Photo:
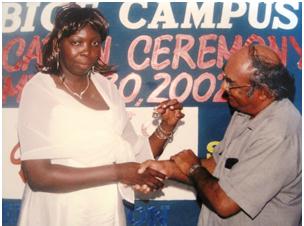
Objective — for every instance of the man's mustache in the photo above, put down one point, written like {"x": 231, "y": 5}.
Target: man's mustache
{"x": 225, "y": 95}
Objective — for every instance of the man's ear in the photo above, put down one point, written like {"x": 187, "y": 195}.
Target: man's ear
{"x": 264, "y": 93}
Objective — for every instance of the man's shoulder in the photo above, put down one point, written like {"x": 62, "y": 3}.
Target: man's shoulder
{"x": 285, "y": 109}
{"x": 284, "y": 119}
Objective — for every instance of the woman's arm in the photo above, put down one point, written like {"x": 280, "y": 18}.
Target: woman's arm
{"x": 172, "y": 171}
{"x": 42, "y": 175}
{"x": 170, "y": 113}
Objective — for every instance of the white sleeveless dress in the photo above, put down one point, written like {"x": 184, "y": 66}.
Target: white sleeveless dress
{"x": 53, "y": 125}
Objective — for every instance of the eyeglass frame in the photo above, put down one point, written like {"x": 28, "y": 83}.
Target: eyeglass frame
{"x": 230, "y": 87}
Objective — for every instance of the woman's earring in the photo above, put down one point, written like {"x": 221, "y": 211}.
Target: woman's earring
{"x": 57, "y": 61}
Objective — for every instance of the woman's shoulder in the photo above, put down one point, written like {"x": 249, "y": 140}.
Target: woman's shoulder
{"x": 101, "y": 78}
{"x": 36, "y": 88}
{"x": 38, "y": 82}
{"x": 108, "y": 86}
{"x": 104, "y": 82}
{"x": 39, "y": 78}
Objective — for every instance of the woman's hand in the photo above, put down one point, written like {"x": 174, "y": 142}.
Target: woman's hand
{"x": 152, "y": 164}
{"x": 170, "y": 112}
{"x": 128, "y": 174}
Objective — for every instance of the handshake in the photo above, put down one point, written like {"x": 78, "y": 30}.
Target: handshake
{"x": 153, "y": 173}
{"x": 149, "y": 176}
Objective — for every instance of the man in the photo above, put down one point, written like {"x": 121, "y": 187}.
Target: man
{"x": 254, "y": 177}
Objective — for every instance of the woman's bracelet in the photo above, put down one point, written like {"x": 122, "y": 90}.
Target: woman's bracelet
{"x": 164, "y": 131}
{"x": 163, "y": 134}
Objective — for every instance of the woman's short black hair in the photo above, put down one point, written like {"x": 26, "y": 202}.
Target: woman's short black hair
{"x": 70, "y": 19}
{"x": 275, "y": 77}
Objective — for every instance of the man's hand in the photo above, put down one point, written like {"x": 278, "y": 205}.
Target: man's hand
{"x": 166, "y": 167}
{"x": 185, "y": 160}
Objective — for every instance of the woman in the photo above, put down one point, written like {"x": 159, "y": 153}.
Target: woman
{"x": 78, "y": 148}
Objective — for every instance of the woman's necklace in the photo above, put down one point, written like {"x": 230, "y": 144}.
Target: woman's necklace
{"x": 72, "y": 92}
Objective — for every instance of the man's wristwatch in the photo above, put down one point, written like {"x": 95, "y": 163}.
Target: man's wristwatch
{"x": 193, "y": 168}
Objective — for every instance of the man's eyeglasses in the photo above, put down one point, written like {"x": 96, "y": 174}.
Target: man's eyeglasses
{"x": 232, "y": 85}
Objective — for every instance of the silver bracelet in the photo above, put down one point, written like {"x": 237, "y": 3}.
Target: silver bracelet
{"x": 164, "y": 131}
{"x": 163, "y": 135}
{"x": 193, "y": 168}
{"x": 160, "y": 135}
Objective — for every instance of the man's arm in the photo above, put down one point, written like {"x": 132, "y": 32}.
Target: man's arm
{"x": 212, "y": 194}
{"x": 209, "y": 164}
{"x": 205, "y": 183}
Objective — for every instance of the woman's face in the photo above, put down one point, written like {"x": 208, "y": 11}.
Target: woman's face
{"x": 80, "y": 51}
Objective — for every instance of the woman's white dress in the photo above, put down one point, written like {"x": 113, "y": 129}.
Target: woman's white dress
{"x": 53, "y": 125}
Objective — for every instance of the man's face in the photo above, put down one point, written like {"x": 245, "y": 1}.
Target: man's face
{"x": 236, "y": 84}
